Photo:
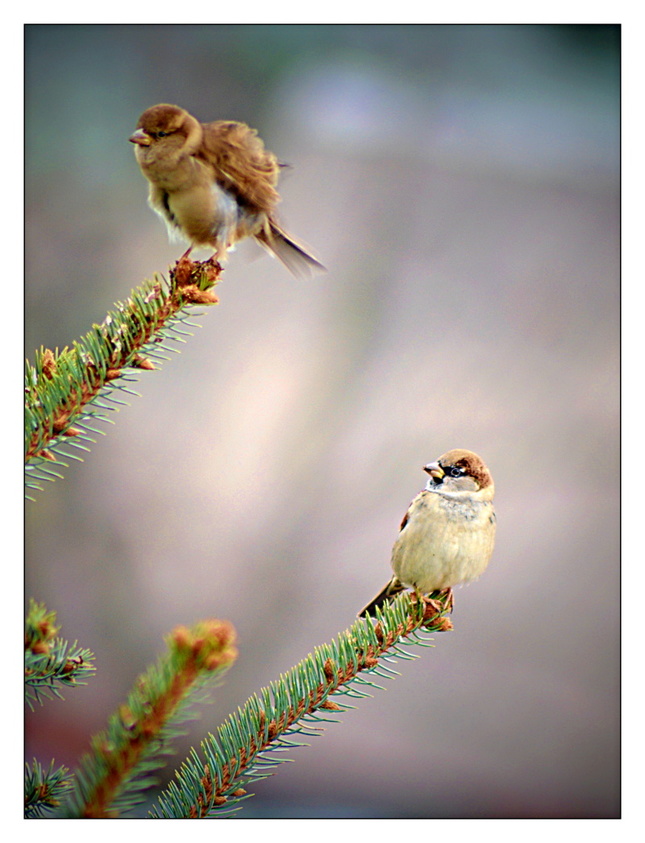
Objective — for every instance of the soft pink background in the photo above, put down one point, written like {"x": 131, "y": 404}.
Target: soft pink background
{"x": 461, "y": 185}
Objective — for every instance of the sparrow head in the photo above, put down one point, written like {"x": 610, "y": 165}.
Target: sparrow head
{"x": 167, "y": 127}
{"x": 460, "y": 471}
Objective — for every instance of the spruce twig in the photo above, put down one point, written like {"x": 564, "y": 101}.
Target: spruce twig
{"x": 214, "y": 781}
{"x": 50, "y": 661}
{"x": 44, "y": 790}
{"x": 68, "y": 392}
{"x": 114, "y": 775}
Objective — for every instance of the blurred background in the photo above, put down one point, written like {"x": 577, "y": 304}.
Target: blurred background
{"x": 461, "y": 184}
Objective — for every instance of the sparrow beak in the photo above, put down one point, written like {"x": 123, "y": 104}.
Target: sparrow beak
{"x": 435, "y": 471}
{"x": 140, "y": 138}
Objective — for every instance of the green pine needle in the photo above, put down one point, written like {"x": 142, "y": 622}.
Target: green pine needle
{"x": 44, "y": 790}
{"x": 51, "y": 662}
{"x": 114, "y": 776}
{"x": 251, "y": 743}
{"x": 67, "y": 392}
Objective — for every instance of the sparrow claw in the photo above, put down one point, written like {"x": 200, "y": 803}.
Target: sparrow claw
{"x": 435, "y": 611}
{"x": 450, "y": 602}
{"x": 434, "y": 607}
{"x": 212, "y": 268}
{"x": 183, "y": 270}
{"x": 213, "y": 262}
{"x": 431, "y": 608}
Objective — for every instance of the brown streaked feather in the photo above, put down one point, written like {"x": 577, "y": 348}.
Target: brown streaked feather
{"x": 292, "y": 254}
{"x": 215, "y": 183}
{"x": 242, "y": 163}
{"x": 405, "y": 520}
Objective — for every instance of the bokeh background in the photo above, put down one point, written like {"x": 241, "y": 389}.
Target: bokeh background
{"x": 461, "y": 184}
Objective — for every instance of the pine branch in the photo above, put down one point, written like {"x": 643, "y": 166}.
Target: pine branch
{"x": 215, "y": 781}
{"x": 68, "y": 392}
{"x": 113, "y": 777}
{"x": 51, "y": 661}
{"x": 45, "y": 790}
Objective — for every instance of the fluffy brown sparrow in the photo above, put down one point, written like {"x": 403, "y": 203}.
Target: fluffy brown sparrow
{"x": 213, "y": 184}
{"x": 448, "y": 532}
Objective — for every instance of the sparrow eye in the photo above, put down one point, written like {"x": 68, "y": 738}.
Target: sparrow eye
{"x": 161, "y": 134}
{"x": 456, "y": 471}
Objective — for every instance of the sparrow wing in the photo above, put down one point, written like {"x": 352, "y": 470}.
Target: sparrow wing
{"x": 241, "y": 163}
{"x": 395, "y": 585}
{"x": 415, "y": 504}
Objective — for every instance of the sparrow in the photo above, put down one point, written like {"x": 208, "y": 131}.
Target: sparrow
{"x": 213, "y": 184}
{"x": 447, "y": 535}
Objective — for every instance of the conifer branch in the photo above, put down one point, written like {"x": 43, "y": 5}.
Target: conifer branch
{"x": 51, "y": 661}
{"x": 66, "y": 392}
{"x": 113, "y": 776}
{"x": 215, "y": 781}
{"x": 44, "y": 790}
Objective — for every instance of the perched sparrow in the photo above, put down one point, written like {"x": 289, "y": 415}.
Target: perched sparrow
{"x": 213, "y": 183}
{"x": 447, "y": 534}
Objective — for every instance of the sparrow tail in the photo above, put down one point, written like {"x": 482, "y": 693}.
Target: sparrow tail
{"x": 394, "y": 587}
{"x": 294, "y": 256}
